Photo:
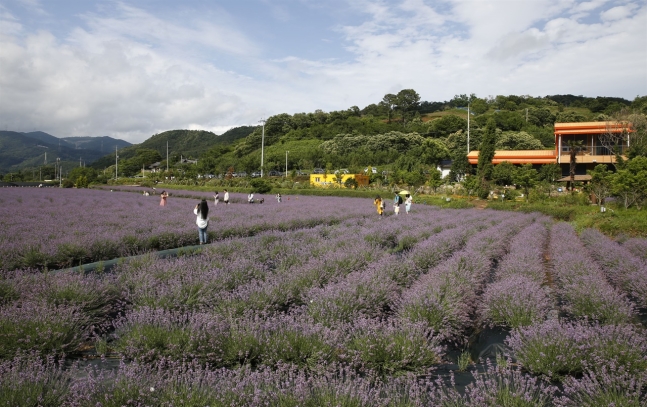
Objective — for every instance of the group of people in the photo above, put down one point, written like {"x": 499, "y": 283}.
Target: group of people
{"x": 225, "y": 198}
{"x": 380, "y": 203}
{"x": 201, "y": 210}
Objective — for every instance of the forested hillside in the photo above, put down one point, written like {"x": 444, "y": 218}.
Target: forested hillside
{"x": 402, "y": 133}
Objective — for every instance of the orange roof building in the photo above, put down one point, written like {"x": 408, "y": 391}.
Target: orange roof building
{"x": 591, "y": 153}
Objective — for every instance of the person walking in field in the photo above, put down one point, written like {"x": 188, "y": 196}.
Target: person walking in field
{"x": 163, "y": 197}
{"x": 216, "y": 198}
{"x": 226, "y": 200}
{"x": 397, "y": 201}
{"x": 407, "y": 203}
{"x": 250, "y": 197}
{"x": 278, "y": 197}
{"x": 379, "y": 205}
{"x": 201, "y": 210}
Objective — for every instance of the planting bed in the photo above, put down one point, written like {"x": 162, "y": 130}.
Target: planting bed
{"x": 314, "y": 302}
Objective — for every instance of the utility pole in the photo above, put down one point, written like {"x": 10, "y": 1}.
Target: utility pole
{"x": 262, "y": 144}
{"x": 468, "y": 127}
{"x": 116, "y": 163}
{"x": 167, "y": 157}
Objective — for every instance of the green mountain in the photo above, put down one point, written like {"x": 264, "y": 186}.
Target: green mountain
{"x": 189, "y": 144}
{"x": 31, "y": 150}
{"x": 103, "y": 144}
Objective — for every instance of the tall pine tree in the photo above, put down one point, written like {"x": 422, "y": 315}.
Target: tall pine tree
{"x": 486, "y": 154}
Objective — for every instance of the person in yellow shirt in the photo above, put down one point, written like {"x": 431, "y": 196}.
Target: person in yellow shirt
{"x": 378, "y": 204}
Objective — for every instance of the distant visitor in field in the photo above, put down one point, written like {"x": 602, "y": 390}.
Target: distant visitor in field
{"x": 378, "y": 204}
{"x": 201, "y": 210}
{"x": 216, "y": 198}
{"x": 163, "y": 197}
{"x": 407, "y": 203}
{"x": 250, "y": 197}
{"x": 278, "y": 197}
{"x": 397, "y": 201}
{"x": 226, "y": 198}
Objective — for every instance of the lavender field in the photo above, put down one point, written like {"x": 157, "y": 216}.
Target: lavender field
{"x": 315, "y": 302}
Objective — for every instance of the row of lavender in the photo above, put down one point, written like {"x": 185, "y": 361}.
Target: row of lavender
{"x": 594, "y": 337}
{"x": 62, "y": 227}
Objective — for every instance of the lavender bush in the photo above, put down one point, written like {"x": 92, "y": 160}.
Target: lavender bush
{"x": 97, "y": 296}
{"x": 556, "y": 348}
{"x": 609, "y": 386}
{"x": 170, "y": 383}
{"x": 515, "y": 302}
{"x": 625, "y": 270}
{"x": 392, "y": 348}
{"x": 498, "y": 386}
{"x": 28, "y": 380}
{"x": 28, "y": 326}
{"x": 583, "y": 286}
{"x": 637, "y": 246}
{"x": 149, "y": 334}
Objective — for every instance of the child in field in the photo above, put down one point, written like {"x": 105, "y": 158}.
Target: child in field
{"x": 163, "y": 197}
{"x": 216, "y": 198}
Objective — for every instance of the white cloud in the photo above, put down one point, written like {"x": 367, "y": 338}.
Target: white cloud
{"x": 618, "y": 13}
{"x": 130, "y": 73}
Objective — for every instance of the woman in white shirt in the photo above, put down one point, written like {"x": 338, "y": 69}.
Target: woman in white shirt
{"x": 201, "y": 210}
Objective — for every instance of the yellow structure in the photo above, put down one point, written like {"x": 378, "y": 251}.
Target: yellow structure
{"x": 331, "y": 180}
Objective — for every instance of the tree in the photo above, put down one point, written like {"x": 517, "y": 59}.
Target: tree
{"x": 471, "y": 184}
{"x": 82, "y": 176}
{"x": 486, "y": 154}
{"x": 479, "y": 106}
{"x": 506, "y": 120}
{"x": 435, "y": 179}
{"x": 550, "y": 172}
{"x": 503, "y": 174}
{"x": 600, "y": 184}
{"x": 460, "y": 168}
{"x": 626, "y": 128}
{"x": 351, "y": 183}
{"x": 431, "y": 152}
{"x": 407, "y": 101}
{"x": 525, "y": 177}
{"x": 447, "y": 125}
{"x": 630, "y": 182}
{"x": 518, "y": 141}
{"x": 260, "y": 186}
{"x": 389, "y": 102}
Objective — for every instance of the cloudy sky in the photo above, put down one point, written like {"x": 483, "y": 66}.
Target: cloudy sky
{"x": 130, "y": 69}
